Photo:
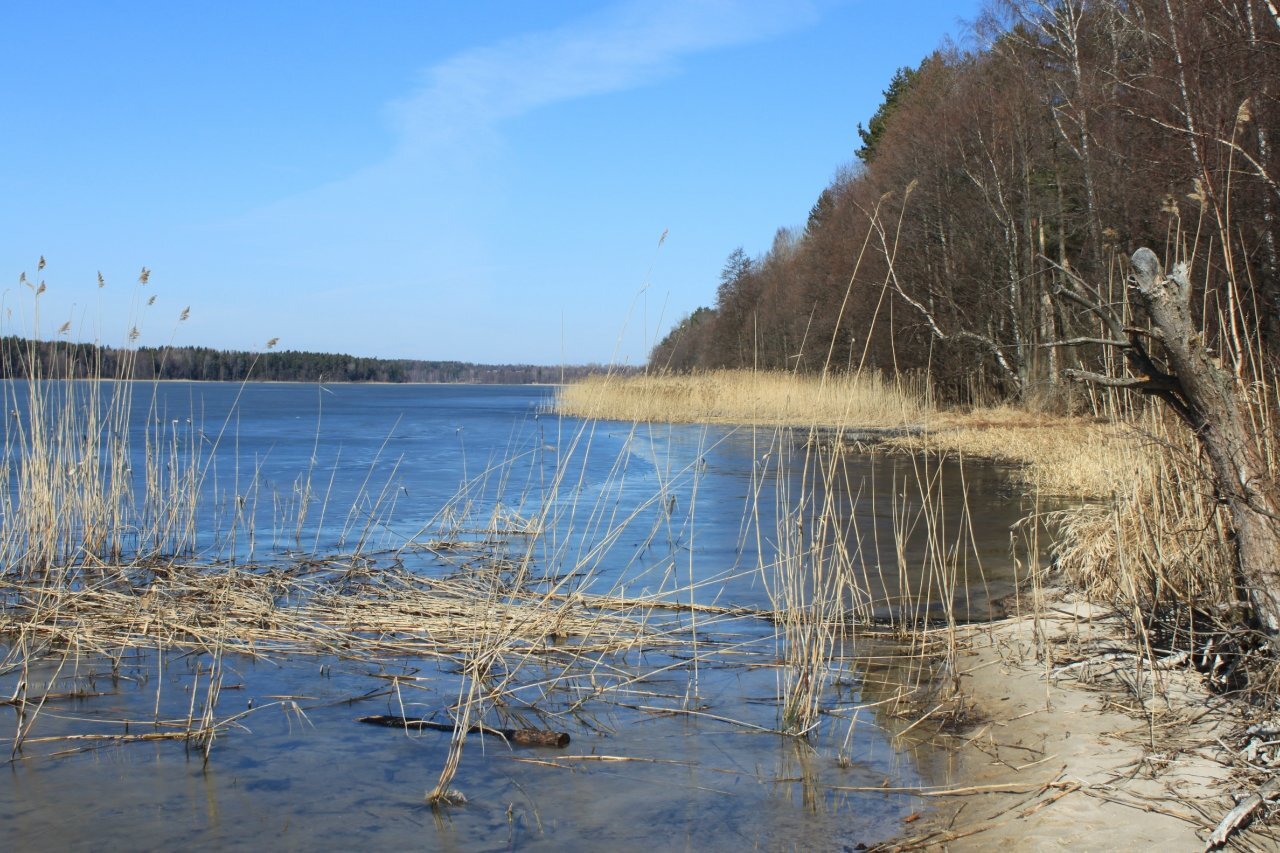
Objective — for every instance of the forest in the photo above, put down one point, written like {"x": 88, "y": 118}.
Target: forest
{"x": 59, "y": 359}
{"x": 996, "y": 185}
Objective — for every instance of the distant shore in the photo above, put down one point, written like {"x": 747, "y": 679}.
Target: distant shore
{"x": 60, "y": 358}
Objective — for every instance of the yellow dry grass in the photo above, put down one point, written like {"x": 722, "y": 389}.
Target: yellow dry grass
{"x": 748, "y": 397}
{"x": 360, "y": 614}
{"x": 1056, "y": 455}
{"x": 1052, "y": 455}
{"x": 1163, "y": 536}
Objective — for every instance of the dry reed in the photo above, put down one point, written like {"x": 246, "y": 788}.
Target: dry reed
{"x": 534, "y": 614}
{"x": 748, "y": 397}
{"x": 1162, "y": 538}
{"x": 1054, "y": 455}
{"x": 1049, "y": 455}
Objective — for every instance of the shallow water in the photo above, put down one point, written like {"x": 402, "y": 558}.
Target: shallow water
{"x": 689, "y": 513}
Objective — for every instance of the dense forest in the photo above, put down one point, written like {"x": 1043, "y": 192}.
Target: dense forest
{"x": 60, "y": 359}
{"x": 994, "y": 186}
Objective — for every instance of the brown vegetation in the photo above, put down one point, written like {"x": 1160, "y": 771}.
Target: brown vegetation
{"x": 1077, "y": 133}
{"x": 1053, "y": 454}
{"x": 746, "y": 397}
{"x": 987, "y": 239}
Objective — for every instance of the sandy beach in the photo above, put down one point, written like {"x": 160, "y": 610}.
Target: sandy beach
{"x": 1073, "y": 744}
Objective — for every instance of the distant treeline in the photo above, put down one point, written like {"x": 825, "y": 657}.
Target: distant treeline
{"x": 59, "y": 359}
{"x": 992, "y": 184}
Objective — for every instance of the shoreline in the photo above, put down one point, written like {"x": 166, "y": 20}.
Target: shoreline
{"x": 1075, "y": 748}
{"x": 251, "y": 381}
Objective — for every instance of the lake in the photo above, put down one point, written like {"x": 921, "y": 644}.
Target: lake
{"x": 674, "y": 739}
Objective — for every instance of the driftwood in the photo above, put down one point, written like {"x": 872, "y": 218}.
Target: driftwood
{"x": 519, "y": 737}
{"x": 1240, "y": 815}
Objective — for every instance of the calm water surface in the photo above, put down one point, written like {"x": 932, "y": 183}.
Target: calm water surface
{"x": 683, "y": 511}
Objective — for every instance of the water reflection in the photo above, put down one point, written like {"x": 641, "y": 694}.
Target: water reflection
{"x": 675, "y": 739}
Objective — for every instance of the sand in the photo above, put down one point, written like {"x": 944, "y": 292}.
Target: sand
{"x": 1106, "y": 756}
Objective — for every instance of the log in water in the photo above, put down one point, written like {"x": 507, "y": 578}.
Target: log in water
{"x": 520, "y": 737}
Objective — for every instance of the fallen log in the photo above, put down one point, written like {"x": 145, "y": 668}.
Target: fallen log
{"x": 519, "y": 737}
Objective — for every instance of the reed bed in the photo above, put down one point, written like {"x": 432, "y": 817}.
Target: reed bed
{"x": 1147, "y": 517}
{"x": 1161, "y": 549}
{"x": 515, "y": 595}
{"x": 748, "y": 397}
{"x": 264, "y": 611}
{"x": 1049, "y": 455}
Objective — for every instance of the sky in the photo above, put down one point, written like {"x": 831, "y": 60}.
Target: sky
{"x": 481, "y": 181}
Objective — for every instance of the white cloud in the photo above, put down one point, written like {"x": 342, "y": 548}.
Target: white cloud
{"x": 430, "y": 182}
{"x": 624, "y": 47}
{"x": 414, "y": 235}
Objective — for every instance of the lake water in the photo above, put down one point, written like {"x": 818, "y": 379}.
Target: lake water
{"x": 682, "y": 756}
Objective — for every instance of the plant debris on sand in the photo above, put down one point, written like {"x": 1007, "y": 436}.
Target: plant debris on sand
{"x": 1080, "y": 744}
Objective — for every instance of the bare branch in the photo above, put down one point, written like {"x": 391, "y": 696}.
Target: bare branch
{"x": 1072, "y": 276}
{"x": 1145, "y": 384}
{"x": 1102, "y": 312}
{"x": 1080, "y": 342}
{"x": 1138, "y": 331}
{"x": 1258, "y": 168}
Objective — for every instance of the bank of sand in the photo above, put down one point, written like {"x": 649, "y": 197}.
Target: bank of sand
{"x": 1058, "y": 755}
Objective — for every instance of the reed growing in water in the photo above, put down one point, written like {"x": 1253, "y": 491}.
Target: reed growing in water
{"x": 749, "y": 397}
{"x": 531, "y": 612}
{"x": 1083, "y": 456}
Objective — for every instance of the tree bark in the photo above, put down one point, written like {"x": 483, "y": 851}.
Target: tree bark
{"x": 1211, "y": 405}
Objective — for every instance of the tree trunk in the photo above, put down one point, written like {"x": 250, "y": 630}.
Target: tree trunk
{"x": 1212, "y": 407}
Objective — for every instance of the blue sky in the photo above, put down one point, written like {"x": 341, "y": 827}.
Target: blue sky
{"x": 475, "y": 181}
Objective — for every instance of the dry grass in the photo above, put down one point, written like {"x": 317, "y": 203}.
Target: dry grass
{"x": 1050, "y": 455}
{"x": 364, "y": 613}
{"x": 748, "y": 397}
{"x": 1076, "y": 456}
{"x": 1163, "y": 537}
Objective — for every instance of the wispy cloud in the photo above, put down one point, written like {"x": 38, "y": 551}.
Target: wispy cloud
{"x": 414, "y": 234}
{"x": 621, "y": 48}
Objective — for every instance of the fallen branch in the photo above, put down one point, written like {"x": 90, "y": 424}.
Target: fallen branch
{"x": 1165, "y": 663}
{"x": 1241, "y": 814}
{"x": 1009, "y": 788}
{"x": 520, "y": 737}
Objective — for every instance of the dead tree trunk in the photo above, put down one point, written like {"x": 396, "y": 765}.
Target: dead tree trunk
{"x": 1208, "y": 398}
{"x": 1224, "y": 430}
